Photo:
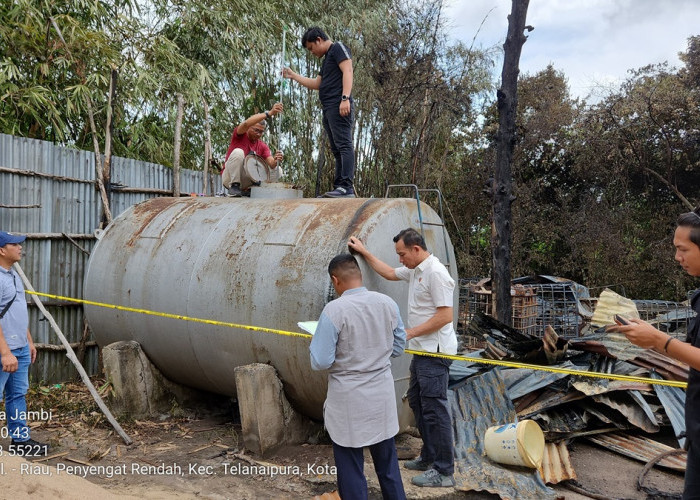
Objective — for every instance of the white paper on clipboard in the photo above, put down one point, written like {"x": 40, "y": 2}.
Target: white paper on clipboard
{"x": 308, "y": 326}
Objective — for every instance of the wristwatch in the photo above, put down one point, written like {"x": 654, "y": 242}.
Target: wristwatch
{"x": 345, "y": 97}
{"x": 267, "y": 115}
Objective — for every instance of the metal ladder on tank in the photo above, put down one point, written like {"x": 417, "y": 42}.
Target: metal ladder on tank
{"x": 417, "y": 192}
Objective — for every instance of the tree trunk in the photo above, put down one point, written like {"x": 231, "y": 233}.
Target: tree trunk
{"x": 93, "y": 129}
{"x": 176, "y": 152}
{"x": 107, "y": 158}
{"x": 505, "y": 144}
{"x": 207, "y": 148}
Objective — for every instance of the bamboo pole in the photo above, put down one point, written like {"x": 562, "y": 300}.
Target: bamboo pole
{"x": 31, "y": 173}
{"x": 178, "y": 139}
{"x": 93, "y": 128}
{"x": 107, "y": 158}
{"x": 61, "y": 348}
{"x": 59, "y": 236}
{"x": 207, "y": 148}
{"x": 282, "y": 84}
{"x": 71, "y": 355}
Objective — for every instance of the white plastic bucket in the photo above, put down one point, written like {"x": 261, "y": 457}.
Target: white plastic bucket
{"x": 520, "y": 443}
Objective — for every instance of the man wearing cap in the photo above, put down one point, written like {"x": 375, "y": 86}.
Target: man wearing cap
{"x": 17, "y": 349}
{"x": 246, "y": 140}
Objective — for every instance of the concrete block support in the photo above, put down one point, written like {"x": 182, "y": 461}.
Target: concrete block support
{"x": 267, "y": 418}
{"x": 140, "y": 389}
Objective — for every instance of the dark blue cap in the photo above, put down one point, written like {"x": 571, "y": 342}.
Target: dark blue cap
{"x": 6, "y": 238}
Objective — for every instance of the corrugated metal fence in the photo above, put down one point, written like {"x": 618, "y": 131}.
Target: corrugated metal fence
{"x": 49, "y": 193}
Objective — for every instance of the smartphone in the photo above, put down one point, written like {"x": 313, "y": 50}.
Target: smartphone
{"x": 620, "y": 320}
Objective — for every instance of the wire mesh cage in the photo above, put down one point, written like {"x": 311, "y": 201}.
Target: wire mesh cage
{"x": 669, "y": 317}
{"x": 564, "y": 305}
{"x": 535, "y": 306}
{"x": 474, "y": 297}
{"x": 558, "y": 306}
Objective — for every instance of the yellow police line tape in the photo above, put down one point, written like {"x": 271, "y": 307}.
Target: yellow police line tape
{"x": 507, "y": 364}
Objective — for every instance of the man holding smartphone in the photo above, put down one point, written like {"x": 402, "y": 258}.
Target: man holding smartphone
{"x": 686, "y": 240}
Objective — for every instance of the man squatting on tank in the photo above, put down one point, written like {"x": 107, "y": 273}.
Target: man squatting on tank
{"x": 246, "y": 139}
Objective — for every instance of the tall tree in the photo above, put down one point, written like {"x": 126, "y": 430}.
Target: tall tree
{"x": 505, "y": 144}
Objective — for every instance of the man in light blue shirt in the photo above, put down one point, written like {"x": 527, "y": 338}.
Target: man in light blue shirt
{"x": 356, "y": 336}
{"x": 17, "y": 349}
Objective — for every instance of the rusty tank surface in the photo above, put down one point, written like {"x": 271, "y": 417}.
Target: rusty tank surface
{"x": 250, "y": 262}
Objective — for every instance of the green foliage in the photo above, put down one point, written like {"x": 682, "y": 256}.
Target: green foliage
{"x": 597, "y": 186}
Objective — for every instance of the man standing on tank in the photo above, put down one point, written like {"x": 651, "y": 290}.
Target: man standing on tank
{"x": 334, "y": 85}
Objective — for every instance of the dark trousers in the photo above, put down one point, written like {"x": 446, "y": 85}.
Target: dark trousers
{"x": 352, "y": 483}
{"x": 427, "y": 397}
{"x": 691, "y": 489}
{"x": 339, "y": 130}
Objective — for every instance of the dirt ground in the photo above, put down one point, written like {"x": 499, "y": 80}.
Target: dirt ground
{"x": 198, "y": 454}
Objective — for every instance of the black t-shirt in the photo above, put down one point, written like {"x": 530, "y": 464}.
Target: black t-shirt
{"x": 692, "y": 393}
{"x": 331, "y": 89}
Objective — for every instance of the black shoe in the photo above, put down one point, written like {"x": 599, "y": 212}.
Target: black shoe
{"x": 340, "y": 192}
{"x": 235, "y": 190}
{"x": 29, "y": 448}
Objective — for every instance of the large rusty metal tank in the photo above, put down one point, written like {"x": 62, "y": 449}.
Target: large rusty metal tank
{"x": 247, "y": 261}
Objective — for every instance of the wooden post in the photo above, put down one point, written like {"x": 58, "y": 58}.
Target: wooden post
{"x": 107, "y": 160}
{"x": 95, "y": 143}
{"x": 178, "y": 136}
{"x": 71, "y": 355}
{"x": 501, "y": 236}
{"x": 207, "y": 148}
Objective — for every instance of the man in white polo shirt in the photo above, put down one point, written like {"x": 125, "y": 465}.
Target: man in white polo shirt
{"x": 430, "y": 312}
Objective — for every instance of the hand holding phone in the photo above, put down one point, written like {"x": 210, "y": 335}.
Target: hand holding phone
{"x": 620, "y": 320}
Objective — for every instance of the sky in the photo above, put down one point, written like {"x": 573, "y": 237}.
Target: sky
{"x": 593, "y": 42}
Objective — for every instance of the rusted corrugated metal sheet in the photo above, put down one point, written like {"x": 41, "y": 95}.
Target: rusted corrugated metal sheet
{"x": 556, "y": 464}
{"x": 673, "y": 401}
{"x": 65, "y": 200}
{"x": 549, "y": 398}
{"x": 632, "y": 406}
{"x": 478, "y": 404}
{"x": 614, "y": 345}
{"x": 520, "y": 381}
{"x": 666, "y": 366}
{"x": 561, "y": 421}
{"x": 640, "y": 448}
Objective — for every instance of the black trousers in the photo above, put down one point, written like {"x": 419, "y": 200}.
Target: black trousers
{"x": 339, "y": 130}
{"x": 691, "y": 489}
{"x": 427, "y": 397}
{"x": 352, "y": 483}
